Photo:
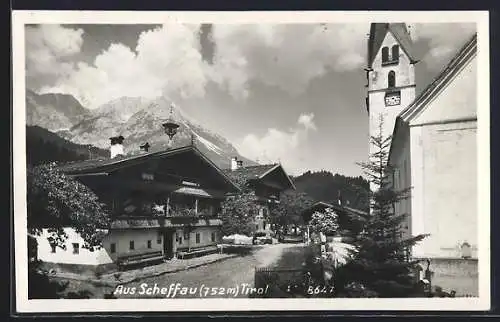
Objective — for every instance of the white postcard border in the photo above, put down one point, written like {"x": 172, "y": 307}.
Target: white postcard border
{"x": 23, "y": 305}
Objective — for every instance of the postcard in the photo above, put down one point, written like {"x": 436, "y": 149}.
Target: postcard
{"x": 251, "y": 161}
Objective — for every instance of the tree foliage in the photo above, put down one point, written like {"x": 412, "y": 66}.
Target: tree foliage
{"x": 238, "y": 214}
{"x": 55, "y": 201}
{"x": 289, "y": 210}
{"x": 382, "y": 264}
{"x": 328, "y": 187}
{"x": 326, "y": 222}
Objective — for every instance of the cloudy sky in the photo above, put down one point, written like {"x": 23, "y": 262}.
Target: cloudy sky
{"x": 288, "y": 93}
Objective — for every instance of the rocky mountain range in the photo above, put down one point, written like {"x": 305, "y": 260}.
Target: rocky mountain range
{"x": 54, "y": 112}
{"x": 137, "y": 119}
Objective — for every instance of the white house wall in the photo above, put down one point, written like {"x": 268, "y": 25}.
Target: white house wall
{"x": 121, "y": 238}
{"x": 84, "y": 257}
{"x": 205, "y": 237}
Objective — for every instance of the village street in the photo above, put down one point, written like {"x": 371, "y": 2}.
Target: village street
{"x": 226, "y": 274}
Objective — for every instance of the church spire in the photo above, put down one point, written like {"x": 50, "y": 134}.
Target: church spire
{"x": 400, "y": 32}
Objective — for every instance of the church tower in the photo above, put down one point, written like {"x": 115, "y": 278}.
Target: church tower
{"x": 390, "y": 73}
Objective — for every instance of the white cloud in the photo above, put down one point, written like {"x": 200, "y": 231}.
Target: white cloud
{"x": 167, "y": 62}
{"x": 48, "y": 48}
{"x": 276, "y": 145}
{"x": 307, "y": 121}
{"x": 286, "y": 56}
{"x": 445, "y": 39}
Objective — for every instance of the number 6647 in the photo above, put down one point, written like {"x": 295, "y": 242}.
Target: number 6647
{"x": 320, "y": 290}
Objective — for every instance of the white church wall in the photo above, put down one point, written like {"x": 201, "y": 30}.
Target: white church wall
{"x": 401, "y": 163}
{"x": 445, "y": 205}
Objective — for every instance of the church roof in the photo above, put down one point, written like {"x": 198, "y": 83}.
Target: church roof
{"x": 464, "y": 55}
{"x": 377, "y": 36}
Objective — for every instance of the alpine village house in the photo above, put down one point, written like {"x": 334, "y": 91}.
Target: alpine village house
{"x": 163, "y": 205}
{"x": 266, "y": 181}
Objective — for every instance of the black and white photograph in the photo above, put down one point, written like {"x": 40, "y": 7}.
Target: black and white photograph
{"x": 251, "y": 161}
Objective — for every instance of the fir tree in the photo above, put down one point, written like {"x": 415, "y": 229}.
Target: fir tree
{"x": 383, "y": 265}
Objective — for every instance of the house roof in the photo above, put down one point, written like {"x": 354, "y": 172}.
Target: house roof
{"x": 377, "y": 36}
{"x": 97, "y": 166}
{"x": 255, "y": 172}
{"x": 464, "y": 55}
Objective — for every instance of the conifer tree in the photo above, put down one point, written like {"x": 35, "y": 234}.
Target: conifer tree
{"x": 382, "y": 265}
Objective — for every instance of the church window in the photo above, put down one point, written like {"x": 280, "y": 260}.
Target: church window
{"x": 391, "y": 79}
{"x": 385, "y": 55}
{"x": 395, "y": 53}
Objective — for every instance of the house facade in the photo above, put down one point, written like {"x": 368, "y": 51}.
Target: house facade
{"x": 267, "y": 182}
{"x": 433, "y": 150}
{"x": 162, "y": 204}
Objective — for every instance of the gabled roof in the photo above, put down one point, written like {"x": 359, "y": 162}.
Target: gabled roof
{"x": 377, "y": 36}
{"x": 255, "y": 172}
{"x": 464, "y": 55}
{"x": 97, "y": 166}
{"x": 355, "y": 213}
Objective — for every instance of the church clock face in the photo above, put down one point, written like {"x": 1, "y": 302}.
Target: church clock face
{"x": 392, "y": 99}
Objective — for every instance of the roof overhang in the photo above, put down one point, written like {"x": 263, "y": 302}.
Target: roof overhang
{"x": 278, "y": 167}
{"x": 109, "y": 166}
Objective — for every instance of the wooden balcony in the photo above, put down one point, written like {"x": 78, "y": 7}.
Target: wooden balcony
{"x": 162, "y": 222}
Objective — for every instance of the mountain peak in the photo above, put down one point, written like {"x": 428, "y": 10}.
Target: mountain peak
{"x": 140, "y": 120}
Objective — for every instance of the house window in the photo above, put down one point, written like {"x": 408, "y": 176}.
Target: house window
{"x": 53, "y": 248}
{"x": 391, "y": 79}
{"x": 180, "y": 240}
{"x": 395, "y": 53}
{"x": 197, "y": 238}
{"x": 158, "y": 240}
{"x": 213, "y": 236}
{"x": 131, "y": 245}
{"x": 149, "y": 244}
{"x": 385, "y": 55}
{"x": 76, "y": 248}
{"x": 112, "y": 248}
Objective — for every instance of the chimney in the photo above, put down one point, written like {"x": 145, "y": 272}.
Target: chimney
{"x": 145, "y": 147}
{"x": 116, "y": 148}
{"x": 239, "y": 164}
{"x": 234, "y": 163}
